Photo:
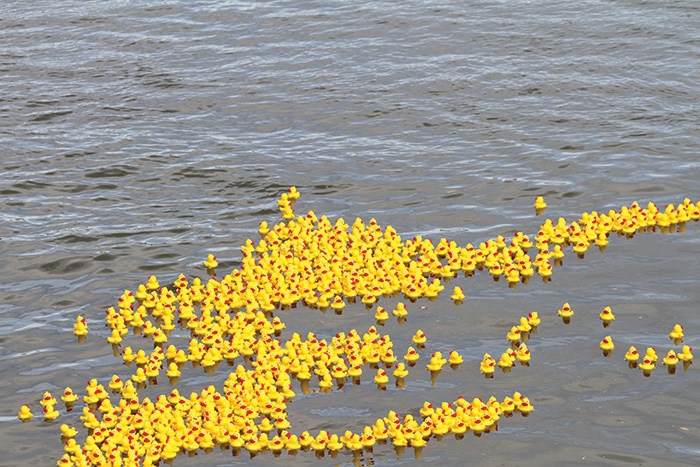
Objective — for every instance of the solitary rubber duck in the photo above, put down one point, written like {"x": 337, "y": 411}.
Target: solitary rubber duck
{"x": 566, "y": 313}
{"x": 455, "y": 359}
{"x": 676, "y": 334}
{"x": 607, "y": 346}
{"x": 25, "y": 413}
{"x": 647, "y": 366}
{"x": 211, "y": 262}
{"x": 606, "y": 316}
{"x": 540, "y": 205}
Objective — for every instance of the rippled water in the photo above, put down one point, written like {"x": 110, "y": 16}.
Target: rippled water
{"x": 139, "y": 136}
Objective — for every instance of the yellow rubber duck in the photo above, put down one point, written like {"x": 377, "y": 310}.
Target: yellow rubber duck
{"x": 513, "y": 335}
{"x": 25, "y": 413}
{"x": 671, "y": 360}
{"x": 455, "y": 359}
{"x": 524, "y": 326}
{"x": 676, "y": 334}
{"x": 540, "y": 205}
{"x": 686, "y": 354}
{"x": 487, "y": 366}
{"x": 419, "y": 339}
{"x": 457, "y": 295}
{"x": 566, "y": 312}
{"x": 69, "y": 398}
{"x": 80, "y": 328}
{"x": 152, "y": 284}
{"x": 651, "y": 354}
{"x": 507, "y": 360}
{"x": 607, "y": 346}
{"x": 47, "y": 400}
{"x": 606, "y": 316}
{"x": 523, "y": 355}
{"x": 533, "y": 319}
{"x": 50, "y": 413}
{"x": 632, "y": 356}
{"x": 211, "y": 262}
{"x": 647, "y": 366}
{"x": 68, "y": 432}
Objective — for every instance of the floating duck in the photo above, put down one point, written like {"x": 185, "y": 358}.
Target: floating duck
{"x": 607, "y": 346}
{"x": 566, "y": 313}
{"x": 522, "y": 354}
{"x": 632, "y": 356}
{"x": 68, "y": 432}
{"x": 606, "y": 316}
{"x": 80, "y": 328}
{"x": 25, "y": 413}
{"x": 676, "y": 334}
{"x": 651, "y": 354}
{"x": 50, "y": 413}
{"x": 686, "y": 356}
{"x": 647, "y": 366}
{"x": 400, "y": 373}
{"x": 457, "y": 296}
{"x": 487, "y": 366}
{"x": 455, "y": 359}
{"x": 152, "y": 284}
{"x": 533, "y": 319}
{"x": 540, "y": 205}
{"x": 211, "y": 262}
{"x": 47, "y": 400}
{"x": 419, "y": 339}
{"x": 411, "y": 356}
{"x": 513, "y": 336}
{"x": 69, "y": 398}
{"x": 507, "y": 360}
{"x": 671, "y": 360}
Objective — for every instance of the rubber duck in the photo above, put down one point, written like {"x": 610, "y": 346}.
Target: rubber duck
{"x": 487, "y": 366}
{"x": 671, "y": 360}
{"x": 211, "y": 262}
{"x": 419, "y": 339}
{"x": 50, "y": 413}
{"x": 152, "y": 284}
{"x": 647, "y": 366}
{"x": 686, "y": 354}
{"x": 522, "y": 354}
{"x": 606, "y": 316}
{"x": 400, "y": 312}
{"x": 566, "y": 313}
{"x": 25, "y": 413}
{"x": 507, "y": 360}
{"x": 455, "y": 359}
{"x": 524, "y": 327}
{"x": 540, "y": 205}
{"x": 69, "y": 398}
{"x": 601, "y": 242}
{"x": 457, "y": 295}
{"x": 676, "y": 334}
{"x": 400, "y": 373}
{"x": 68, "y": 432}
{"x": 381, "y": 379}
{"x": 525, "y": 407}
{"x": 411, "y": 356}
{"x": 607, "y": 346}
{"x": 651, "y": 354}
{"x": 381, "y": 315}
{"x": 116, "y": 384}
{"x": 47, "y": 400}
{"x": 80, "y": 328}
{"x": 632, "y": 356}
{"x": 533, "y": 319}
{"x": 293, "y": 194}
{"x": 513, "y": 336}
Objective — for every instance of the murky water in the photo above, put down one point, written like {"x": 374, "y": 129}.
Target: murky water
{"x": 139, "y": 136}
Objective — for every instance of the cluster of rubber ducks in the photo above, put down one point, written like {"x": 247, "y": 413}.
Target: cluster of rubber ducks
{"x": 673, "y": 358}
{"x": 309, "y": 261}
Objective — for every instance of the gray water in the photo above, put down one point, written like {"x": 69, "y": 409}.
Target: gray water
{"x": 139, "y": 136}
